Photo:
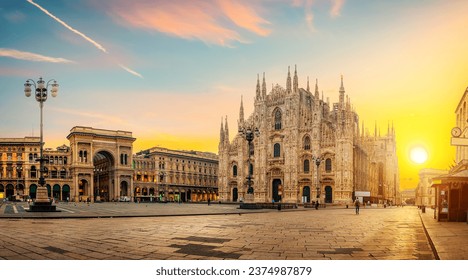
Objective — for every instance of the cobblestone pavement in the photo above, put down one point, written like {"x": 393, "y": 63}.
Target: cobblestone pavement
{"x": 325, "y": 234}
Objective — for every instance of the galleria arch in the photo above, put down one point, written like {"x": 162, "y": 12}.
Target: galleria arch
{"x": 101, "y": 163}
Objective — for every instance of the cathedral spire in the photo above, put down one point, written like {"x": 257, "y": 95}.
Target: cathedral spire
{"x": 308, "y": 87}
{"x": 342, "y": 92}
{"x": 296, "y": 79}
{"x": 317, "y": 94}
{"x": 257, "y": 96}
{"x": 241, "y": 112}
{"x": 375, "y": 130}
{"x": 221, "y": 132}
{"x": 226, "y": 131}
{"x": 288, "y": 81}
{"x": 264, "y": 87}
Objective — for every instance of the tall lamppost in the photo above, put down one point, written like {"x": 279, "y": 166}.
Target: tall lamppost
{"x": 161, "y": 182}
{"x": 318, "y": 160}
{"x": 42, "y": 202}
{"x": 19, "y": 170}
{"x": 249, "y": 133}
{"x": 97, "y": 196}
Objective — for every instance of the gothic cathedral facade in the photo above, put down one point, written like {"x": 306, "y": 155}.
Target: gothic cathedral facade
{"x": 306, "y": 150}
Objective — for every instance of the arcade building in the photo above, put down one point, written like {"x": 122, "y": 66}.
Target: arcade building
{"x": 99, "y": 165}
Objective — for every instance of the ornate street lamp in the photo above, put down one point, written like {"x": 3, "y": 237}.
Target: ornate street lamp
{"x": 249, "y": 133}
{"x": 318, "y": 160}
{"x": 42, "y": 202}
{"x": 162, "y": 174}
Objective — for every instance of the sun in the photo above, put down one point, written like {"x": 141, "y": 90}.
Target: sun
{"x": 418, "y": 155}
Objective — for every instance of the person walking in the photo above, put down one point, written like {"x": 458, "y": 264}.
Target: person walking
{"x": 357, "y": 203}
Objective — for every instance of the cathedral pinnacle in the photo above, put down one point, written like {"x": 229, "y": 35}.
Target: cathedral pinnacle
{"x": 317, "y": 95}
{"x": 264, "y": 87}
{"x": 288, "y": 81}
{"x": 221, "y": 132}
{"x": 342, "y": 92}
{"x": 226, "y": 131}
{"x": 241, "y": 112}
{"x": 296, "y": 79}
{"x": 308, "y": 87}
{"x": 257, "y": 96}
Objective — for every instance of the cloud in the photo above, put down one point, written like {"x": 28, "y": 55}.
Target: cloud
{"x": 93, "y": 119}
{"x": 31, "y": 56}
{"x": 97, "y": 45}
{"x": 213, "y": 22}
{"x": 131, "y": 71}
{"x": 308, "y": 5}
{"x": 244, "y": 16}
{"x": 336, "y": 8}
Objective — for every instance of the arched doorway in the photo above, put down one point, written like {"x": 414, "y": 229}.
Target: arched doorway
{"x": 275, "y": 195}
{"x": 32, "y": 191}
{"x": 2, "y": 191}
{"x": 306, "y": 194}
{"x": 235, "y": 194}
{"x": 123, "y": 188}
{"x": 66, "y": 192}
{"x": 103, "y": 162}
{"x": 49, "y": 190}
{"x": 83, "y": 189}
{"x": 10, "y": 191}
{"x": 328, "y": 194}
{"x": 56, "y": 192}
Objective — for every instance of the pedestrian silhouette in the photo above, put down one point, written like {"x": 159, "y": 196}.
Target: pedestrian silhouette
{"x": 357, "y": 203}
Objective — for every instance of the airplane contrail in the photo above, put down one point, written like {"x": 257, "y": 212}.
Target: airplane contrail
{"x": 96, "y": 44}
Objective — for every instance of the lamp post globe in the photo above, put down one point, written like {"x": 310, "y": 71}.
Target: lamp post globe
{"x": 42, "y": 202}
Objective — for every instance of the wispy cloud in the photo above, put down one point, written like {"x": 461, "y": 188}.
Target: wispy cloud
{"x": 96, "y": 44}
{"x": 92, "y": 118}
{"x": 308, "y": 5}
{"x": 213, "y": 21}
{"x": 336, "y": 8}
{"x": 244, "y": 15}
{"x": 32, "y": 56}
{"x": 130, "y": 71}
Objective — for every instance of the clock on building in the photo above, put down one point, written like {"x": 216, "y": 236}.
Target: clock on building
{"x": 456, "y": 132}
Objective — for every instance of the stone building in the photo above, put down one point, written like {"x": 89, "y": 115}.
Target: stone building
{"x": 173, "y": 175}
{"x": 19, "y": 169}
{"x": 425, "y": 194}
{"x": 452, "y": 189}
{"x": 307, "y": 149}
{"x": 99, "y": 165}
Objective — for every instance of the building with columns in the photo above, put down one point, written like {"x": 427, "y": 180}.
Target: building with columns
{"x": 99, "y": 165}
{"x": 174, "y": 175}
{"x": 307, "y": 149}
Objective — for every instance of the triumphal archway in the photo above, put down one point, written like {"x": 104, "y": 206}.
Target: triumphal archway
{"x": 101, "y": 164}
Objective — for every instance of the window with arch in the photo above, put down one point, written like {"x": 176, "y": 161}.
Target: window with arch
{"x": 306, "y": 166}
{"x": 278, "y": 119}
{"x": 307, "y": 143}
{"x": 234, "y": 170}
{"x": 328, "y": 165}
{"x": 277, "y": 150}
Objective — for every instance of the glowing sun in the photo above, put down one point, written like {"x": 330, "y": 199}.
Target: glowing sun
{"x": 418, "y": 155}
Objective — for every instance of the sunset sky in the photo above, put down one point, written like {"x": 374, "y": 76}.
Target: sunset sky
{"x": 170, "y": 70}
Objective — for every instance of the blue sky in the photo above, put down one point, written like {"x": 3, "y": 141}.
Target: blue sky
{"x": 170, "y": 70}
